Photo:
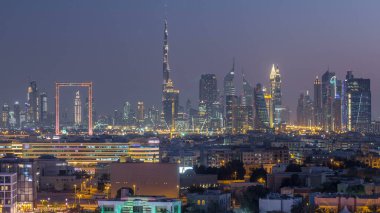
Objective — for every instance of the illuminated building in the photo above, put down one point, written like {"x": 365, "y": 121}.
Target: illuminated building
{"x": 231, "y": 101}
{"x": 43, "y": 109}
{"x": 357, "y": 103}
{"x": 208, "y": 95}
{"x": 170, "y": 105}
{"x": 26, "y": 179}
{"x": 84, "y": 154}
{"x": 328, "y": 96}
{"x": 269, "y": 105}
{"x": 170, "y": 95}
{"x": 145, "y": 179}
{"x": 140, "y": 204}
{"x": 261, "y": 112}
{"x": 126, "y": 112}
{"x": 140, "y": 112}
{"x": 77, "y": 109}
{"x": 33, "y": 104}
{"x": 210, "y": 201}
{"x": 5, "y": 117}
{"x": 248, "y": 102}
{"x": 8, "y": 193}
{"x": 17, "y": 114}
{"x": 276, "y": 94}
{"x": 317, "y": 102}
{"x": 305, "y": 116}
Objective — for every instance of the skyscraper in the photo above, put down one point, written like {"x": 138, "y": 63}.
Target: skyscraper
{"x": 261, "y": 113}
{"x": 208, "y": 89}
{"x": 328, "y": 97}
{"x": 33, "y": 104}
{"x": 77, "y": 109}
{"x": 126, "y": 112}
{"x": 317, "y": 102}
{"x": 305, "y": 110}
{"x": 275, "y": 91}
{"x": 231, "y": 101}
{"x": 140, "y": 112}
{"x": 357, "y": 102}
{"x": 170, "y": 95}
{"x": 248, "y": 102}
{"x": 5, "y": 116}
{"x": 17, "y": 114}
{"x": 43, "y": 109}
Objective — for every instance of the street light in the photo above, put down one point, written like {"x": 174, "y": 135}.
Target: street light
{"x": 75, "y": 193}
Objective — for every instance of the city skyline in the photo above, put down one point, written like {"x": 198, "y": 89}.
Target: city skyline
{"x": 182, "y": 54}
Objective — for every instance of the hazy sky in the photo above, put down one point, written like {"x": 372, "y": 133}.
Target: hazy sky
{"x": 118, "y": 45}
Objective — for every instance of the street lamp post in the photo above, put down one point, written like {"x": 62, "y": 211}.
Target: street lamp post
{"x": 75, "y": 193}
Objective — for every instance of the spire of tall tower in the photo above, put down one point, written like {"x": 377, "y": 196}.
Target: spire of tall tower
{"x": 166, "y": 68}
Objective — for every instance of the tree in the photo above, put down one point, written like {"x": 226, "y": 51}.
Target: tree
{"x": 250, "y": 198}
{"x": 258, "y": 174}
{"x": 293, "y": 168}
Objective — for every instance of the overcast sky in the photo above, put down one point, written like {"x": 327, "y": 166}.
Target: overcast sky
{"x": 118, "y": 45}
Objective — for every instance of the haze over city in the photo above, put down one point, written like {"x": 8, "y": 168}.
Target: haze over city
{"x": 118, "y": 46}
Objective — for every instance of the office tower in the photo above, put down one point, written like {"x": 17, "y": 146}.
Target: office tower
{"x": 5, "y": 117}
{"x": 248, "y": 102}
{"x": 154, "y": 116}
{"x": 261, "y": 113}
{"x": 170, "y": 95}
{"x": 117, "y": 117}
{"x": 328, "y": 97}
{"x": 33, "y": 104}
{"x": 275, "y": 92}
{"x": 231, "y": 101}
{"x": 77, "y": 109}
{"x": 140, "y": 112}
{"x": 43, "y": 109}
{"x": 208, "y": 90}
{"x": 270, "y": 107}
{"x": 216, "y": 122}
{"x": 317, "y": 102}
{"x": 17, "y": 112}
{"x": 358, "y": 102}
{"x": 126, "y": 112}
{"x": 337, "y": 106}
{"x": 305, "y": 116}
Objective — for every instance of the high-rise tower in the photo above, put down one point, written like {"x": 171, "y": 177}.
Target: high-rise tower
{"x": 230, "y": 101}
{"x": 170, "y": 95}
{"x": 276, "y": 94}
{"x": 357, "y": 103}
{"x": 43, "y": 107}
{"x": 77, "y": 109}
{"x": 32, "y": 105}
{"x": 166, "y": 68}
{"x": 317, "y": 102}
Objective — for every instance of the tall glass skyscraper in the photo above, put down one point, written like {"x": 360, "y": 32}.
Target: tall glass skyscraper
{"x": 276, "y": 94}
{"x": 357, "y": 102}
{"x": 261, "y": 113}
{"x": 231, "y": 101}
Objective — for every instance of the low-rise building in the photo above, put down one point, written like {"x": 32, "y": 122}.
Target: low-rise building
{"x": 209, "y": 201}
{"x": 140, "y": 204}
{"x": 278, "y": 203}
{"x": 145, "y": 179}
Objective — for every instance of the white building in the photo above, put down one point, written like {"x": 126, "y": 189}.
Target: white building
{"x": 8, "y": 192}
{"x": 278, "y": 203}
